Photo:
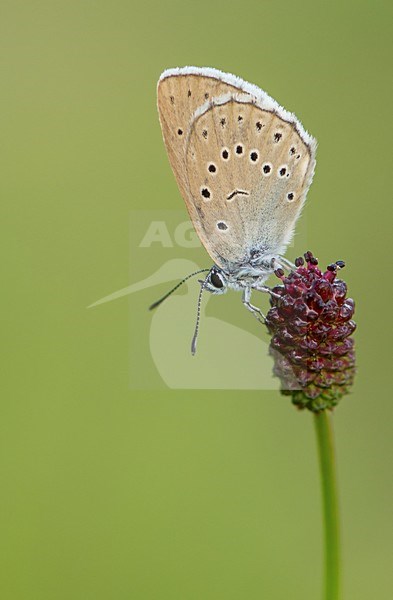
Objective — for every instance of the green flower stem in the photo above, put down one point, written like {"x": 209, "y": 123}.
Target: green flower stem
{"x": 324, "y": 431}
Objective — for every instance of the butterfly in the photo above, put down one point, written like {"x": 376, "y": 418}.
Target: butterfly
{"x": 243, "y": 165}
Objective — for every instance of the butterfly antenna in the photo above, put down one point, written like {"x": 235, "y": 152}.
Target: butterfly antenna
{"x": 195, "y": 336}
{"x": 155, "y": 304}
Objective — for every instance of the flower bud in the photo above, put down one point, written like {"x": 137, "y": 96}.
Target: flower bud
{"x": 310, "y": 322}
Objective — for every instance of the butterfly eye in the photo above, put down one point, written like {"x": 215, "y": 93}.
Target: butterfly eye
{"x": 216, "y": 280}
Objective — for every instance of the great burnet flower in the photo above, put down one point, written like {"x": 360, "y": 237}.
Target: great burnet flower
{"x": 311, "y": 323}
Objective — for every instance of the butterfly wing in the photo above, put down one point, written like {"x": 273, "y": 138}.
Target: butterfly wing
{"x": 237, "y": 209}
{"x": 248, "y": 172}
{"x": 180, "y": 92}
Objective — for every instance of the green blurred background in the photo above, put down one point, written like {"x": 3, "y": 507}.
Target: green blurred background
{"x": 111, "y": 492}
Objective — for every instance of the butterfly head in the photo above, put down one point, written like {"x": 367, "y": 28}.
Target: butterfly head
{"x": 216, "y": 281}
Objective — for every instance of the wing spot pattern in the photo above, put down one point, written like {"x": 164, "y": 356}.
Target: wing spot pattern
{"x": 267, "y": 169}
{"x": 235, "y": 193}
{"x": 222, "y": 226}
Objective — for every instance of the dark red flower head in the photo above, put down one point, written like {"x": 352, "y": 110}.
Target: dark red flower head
{"x": 311, "y": 323}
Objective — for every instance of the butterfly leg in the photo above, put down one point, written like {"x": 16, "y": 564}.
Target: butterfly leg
{"x": 253, "y": 309}
{"x": 267, "y": 290}
{"x": 284, "y": 263}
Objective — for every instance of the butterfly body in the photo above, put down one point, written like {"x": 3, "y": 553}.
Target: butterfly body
{"x": 243, "y": 165}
